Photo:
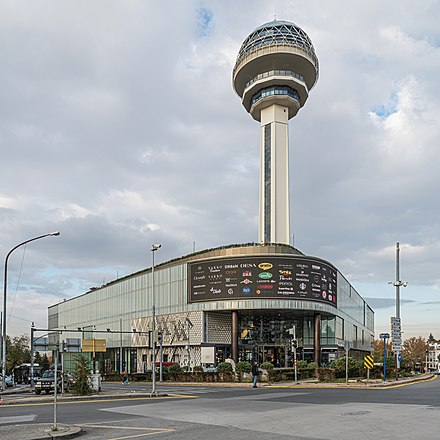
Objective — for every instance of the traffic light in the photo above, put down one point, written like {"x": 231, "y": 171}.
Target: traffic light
{"x": 294, "y": 344}
{"x": 159, "y": 337}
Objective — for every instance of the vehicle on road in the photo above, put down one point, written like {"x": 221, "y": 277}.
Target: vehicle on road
{"x": 46, "y": 382}
{"x": 9, "y": 382}
{"x": 23, "y": 373}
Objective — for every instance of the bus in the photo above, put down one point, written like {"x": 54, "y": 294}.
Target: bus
{"x": 22, "y": 373}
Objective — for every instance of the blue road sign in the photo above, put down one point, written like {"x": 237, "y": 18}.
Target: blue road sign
{"x": 384, "y": 336}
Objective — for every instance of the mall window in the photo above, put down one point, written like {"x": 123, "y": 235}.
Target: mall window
{"x": 328, "y": 330}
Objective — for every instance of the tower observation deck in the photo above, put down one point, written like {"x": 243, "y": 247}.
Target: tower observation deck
{"x": 275, "y": 69}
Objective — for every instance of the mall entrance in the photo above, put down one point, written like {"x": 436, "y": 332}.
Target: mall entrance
{"x": 278, "y": 355}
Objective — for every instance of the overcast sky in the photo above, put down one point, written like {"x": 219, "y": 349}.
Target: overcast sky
{"x": 120, "y": 128}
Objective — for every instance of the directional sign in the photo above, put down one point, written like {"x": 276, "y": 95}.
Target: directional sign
{"x": 384, "y": 335}
{"x": 396, "y": 347}
{"x": 93, "y": 345}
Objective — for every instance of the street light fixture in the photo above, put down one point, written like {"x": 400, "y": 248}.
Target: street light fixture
{"x": 51, "y": 234}
{"x": 398, "y": 284}
{"x": 154, "y": 248}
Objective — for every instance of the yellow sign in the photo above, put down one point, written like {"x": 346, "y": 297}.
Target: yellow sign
{"x": 368, "y": 362}
{"x": 93, "y": 345}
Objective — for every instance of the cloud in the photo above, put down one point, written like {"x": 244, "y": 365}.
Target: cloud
{"x": 385, "y": 303}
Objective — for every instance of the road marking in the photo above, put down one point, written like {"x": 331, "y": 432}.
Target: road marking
{"x": 151, "y": 431}
{"x": 17, "y": 419}
{"x": 73, "y": 402}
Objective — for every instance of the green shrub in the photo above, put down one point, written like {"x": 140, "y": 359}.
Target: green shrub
{"x": 198, "y": 369}
{"x": 224, "y": 367}
{"x": 268, "y": 366}
{"x": 301, "y": 364}
{"x": 174, "y": 369}
{"x": 354, "y": 367}
{"x": 312, "y": 366}
{"x": 243, "y": 367}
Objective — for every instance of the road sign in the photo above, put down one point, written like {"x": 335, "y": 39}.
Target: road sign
{"x": 399, "y": 357}
{"x": 368, "y": 361}
{"x": 395, "y": 320}
{"x": 93, "y": 345}
{"x": 396, "y": 347}
{"x": 384, "y": 335}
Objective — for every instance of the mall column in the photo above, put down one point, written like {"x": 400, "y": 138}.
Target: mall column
{"x": 234, "y": 336}
{"x": 317, "y": 339}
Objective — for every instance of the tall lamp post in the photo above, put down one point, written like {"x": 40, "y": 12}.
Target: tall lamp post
{"x": 154, "y": 248}
{"x": 396, "y": 322}
{"x": 51, "y": 234}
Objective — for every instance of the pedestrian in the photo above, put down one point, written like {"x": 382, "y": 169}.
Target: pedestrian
{"x": 124, "y": 377}
{"x": 255, "y": 373}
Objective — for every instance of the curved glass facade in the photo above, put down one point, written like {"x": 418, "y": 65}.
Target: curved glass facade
{"x": 262, "y": 324}
{"x": 275, "y": 90}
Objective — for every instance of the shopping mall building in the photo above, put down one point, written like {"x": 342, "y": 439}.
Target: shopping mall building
{"x": 242, "y": 302}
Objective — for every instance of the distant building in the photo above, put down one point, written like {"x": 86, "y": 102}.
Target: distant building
{"x": 433, "y": 357}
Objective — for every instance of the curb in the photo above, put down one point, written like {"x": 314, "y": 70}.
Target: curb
{"x": 42, "y": 431}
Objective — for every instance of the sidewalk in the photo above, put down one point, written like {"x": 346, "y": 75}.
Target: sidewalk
{"x": 38, "y": 431}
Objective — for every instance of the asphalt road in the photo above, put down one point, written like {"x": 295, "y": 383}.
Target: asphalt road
{"x": 406, "y": 412}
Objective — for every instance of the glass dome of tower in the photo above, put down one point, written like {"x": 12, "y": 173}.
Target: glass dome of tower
{"x": 278, "y": 33}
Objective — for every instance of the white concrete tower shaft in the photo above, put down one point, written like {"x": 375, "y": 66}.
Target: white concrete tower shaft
{"x": 274, "y": 218}
{"x": 275, "y": 69}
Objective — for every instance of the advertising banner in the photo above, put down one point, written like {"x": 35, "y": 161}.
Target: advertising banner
{"x": 299, "y": 278}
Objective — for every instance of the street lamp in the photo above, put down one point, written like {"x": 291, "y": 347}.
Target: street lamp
{"x": 51, "y": 234}
{"x": 154, "y": 248}
{"x": 397, "y": 330}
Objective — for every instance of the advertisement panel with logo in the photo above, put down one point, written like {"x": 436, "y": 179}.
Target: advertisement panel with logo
{"x": 300, "y": 278}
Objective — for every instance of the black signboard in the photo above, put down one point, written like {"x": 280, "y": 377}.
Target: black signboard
{"x": 300, "y": 278}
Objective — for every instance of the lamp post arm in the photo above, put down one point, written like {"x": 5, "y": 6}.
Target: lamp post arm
{"x": 5, "y": 284}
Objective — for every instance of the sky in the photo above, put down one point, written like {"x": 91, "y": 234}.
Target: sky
{"x": 120, "y": 128}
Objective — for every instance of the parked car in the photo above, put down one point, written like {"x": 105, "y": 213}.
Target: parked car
{"x": 46, "y": 382}
{"x": 9, "y": 382}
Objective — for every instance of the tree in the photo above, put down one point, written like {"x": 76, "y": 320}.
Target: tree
{"x": 414, "y": 350}
{"x": 45, "y": 363}
{"x": 17, "y": 351}
{"x": 378, "y": 350}
{"x": 81, "y": 386}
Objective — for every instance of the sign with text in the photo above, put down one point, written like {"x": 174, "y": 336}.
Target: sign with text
{"x": 265, "y": 277}
{"x": 93, "y": 345}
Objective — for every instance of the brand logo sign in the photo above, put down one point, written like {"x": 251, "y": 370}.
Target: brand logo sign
{"x": 265, "y": 266}
{"x": 262, "y": 276}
